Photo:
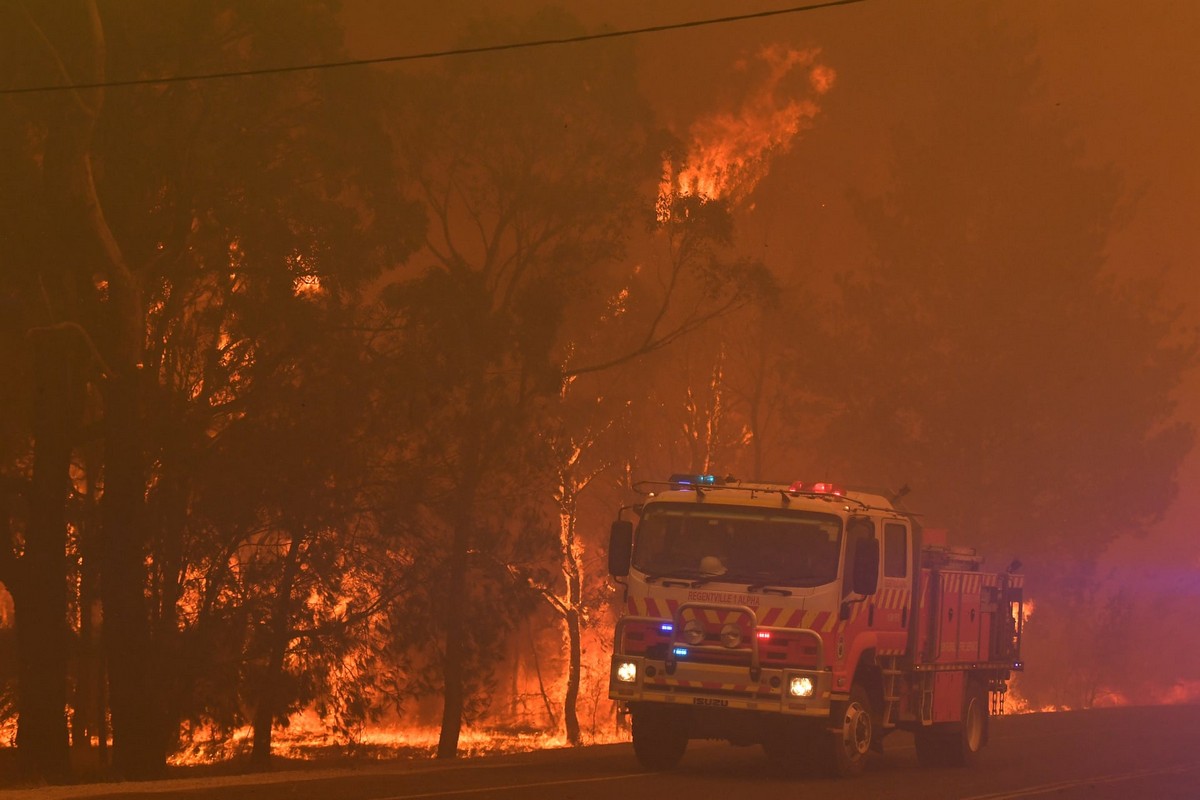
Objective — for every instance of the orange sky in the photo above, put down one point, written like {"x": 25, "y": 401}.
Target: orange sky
{"x": 1125, "y": 75}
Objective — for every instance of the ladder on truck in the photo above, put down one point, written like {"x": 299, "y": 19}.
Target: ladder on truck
{"x": 889, "y": 667}
{"x": 891, "y": 696}
{"x": 927, "y": 698}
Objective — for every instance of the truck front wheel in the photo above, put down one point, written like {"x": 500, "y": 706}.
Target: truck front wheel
{"x": 853, "y": 735}
{"x": 660, "y": 737}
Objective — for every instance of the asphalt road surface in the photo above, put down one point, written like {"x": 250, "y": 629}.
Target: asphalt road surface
{"x": 1151, "y": 753}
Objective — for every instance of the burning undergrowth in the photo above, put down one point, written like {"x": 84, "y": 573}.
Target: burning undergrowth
{"x": 307, "y": 737}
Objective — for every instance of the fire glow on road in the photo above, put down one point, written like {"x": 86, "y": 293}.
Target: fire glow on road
{"x": 513, "y": 787}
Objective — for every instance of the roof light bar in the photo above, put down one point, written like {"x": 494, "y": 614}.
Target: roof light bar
{"x": 800, "y": 487}
{"x": 683, "y": 479}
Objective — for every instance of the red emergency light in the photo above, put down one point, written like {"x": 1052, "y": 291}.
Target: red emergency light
{"x": 817, "y": 488}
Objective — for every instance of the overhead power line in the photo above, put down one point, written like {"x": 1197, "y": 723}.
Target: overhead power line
{"x": 458, "y": 51}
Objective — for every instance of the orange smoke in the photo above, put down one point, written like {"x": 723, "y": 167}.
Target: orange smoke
{"x": 729, "y": 152}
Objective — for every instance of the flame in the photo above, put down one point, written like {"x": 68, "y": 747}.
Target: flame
{"x": 729, "y": 152}
{"x": 307, "y": 736}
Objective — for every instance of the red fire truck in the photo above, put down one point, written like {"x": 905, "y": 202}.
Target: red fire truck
{"x": 807, "y": 618}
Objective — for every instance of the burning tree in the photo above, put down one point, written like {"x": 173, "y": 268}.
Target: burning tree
{"x": 689, "y": 279}
{"x": 531, "y": 205}
{"x": 527, "y": 173}
{"x": 183, "y": 247}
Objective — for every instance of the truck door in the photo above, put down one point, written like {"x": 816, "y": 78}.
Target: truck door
{"x": 894, "y": 600}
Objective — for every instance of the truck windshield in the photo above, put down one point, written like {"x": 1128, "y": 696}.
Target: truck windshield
{"x": 739, "y": 545}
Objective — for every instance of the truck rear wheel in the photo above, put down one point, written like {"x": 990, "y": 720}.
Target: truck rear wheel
{"x": 660, "y": 737}
{"x": 971, "y": 735}
{"x": 851, "y": 742}
{"x": 956, "y": 744}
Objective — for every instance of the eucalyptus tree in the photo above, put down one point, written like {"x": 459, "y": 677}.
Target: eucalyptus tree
{"x": 530, "y": 167}
{"x": 192, "y": 243}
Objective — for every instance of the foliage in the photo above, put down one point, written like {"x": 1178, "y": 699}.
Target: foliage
{"x": 986, "y": 357}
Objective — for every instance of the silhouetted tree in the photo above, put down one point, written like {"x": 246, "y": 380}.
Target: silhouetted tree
{"x": 988, "y": 357}
{"x": 186, "y": 237}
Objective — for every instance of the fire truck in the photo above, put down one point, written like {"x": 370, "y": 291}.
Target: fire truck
{"x": 808, "y": 618}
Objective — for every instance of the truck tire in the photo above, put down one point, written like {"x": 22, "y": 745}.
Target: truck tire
{"x": 853, "y": 735}
{"x": 970, "y": 735}
{"x": 660, "y": 738}
{"x": 956, "y": 744}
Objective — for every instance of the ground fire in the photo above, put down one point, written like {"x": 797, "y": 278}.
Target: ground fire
{"x": 808, "y": 618}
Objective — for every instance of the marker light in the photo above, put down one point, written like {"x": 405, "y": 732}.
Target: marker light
{"x": 764, "y": 635}
{"x": 681, "y": 652}
{"x": 800, "y": 686}
{"x": 666, "y": 627}
{"x": 627, "y": 672}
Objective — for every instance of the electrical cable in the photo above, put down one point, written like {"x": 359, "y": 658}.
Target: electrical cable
{"x": 461, "y": 51}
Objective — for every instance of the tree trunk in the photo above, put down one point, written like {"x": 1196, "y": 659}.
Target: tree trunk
{"x": 88, "y": 707}
{"x": 87, "y": 248}
{"x": 457, "y": 602}
{"x": 134, "y": 691}
{"x": 455, "y": 653}
{"x": 165, "y": 628}
{"x": 40, "y": 592}
{"x": 268, "y": 691}
{"x": 88, "y": 704}
{"x": 570, "y": 714}
{"x": 574, "y": 577}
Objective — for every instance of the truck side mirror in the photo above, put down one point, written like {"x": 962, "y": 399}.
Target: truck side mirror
{"x": 866, "y": 566}
{"x": 620, "y": 548}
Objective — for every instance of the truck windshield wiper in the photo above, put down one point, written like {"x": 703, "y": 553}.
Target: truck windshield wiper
{"x": 767, "y": 588}
{"x": 681, "y": 576}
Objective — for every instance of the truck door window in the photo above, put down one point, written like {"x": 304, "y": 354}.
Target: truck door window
{"x": 895, "y": 550}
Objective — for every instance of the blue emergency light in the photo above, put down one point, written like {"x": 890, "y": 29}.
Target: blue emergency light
{"x": 682, "y": 479}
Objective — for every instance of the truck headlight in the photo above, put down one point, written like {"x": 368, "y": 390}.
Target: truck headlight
{"x": 731, "y": 635}
{"x": 693, "y": 631}
{"x": 800, "y": 686}
{"x": 626, "y": 671}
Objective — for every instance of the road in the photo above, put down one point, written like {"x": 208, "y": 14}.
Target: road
{"x": 1102, "y": 754}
